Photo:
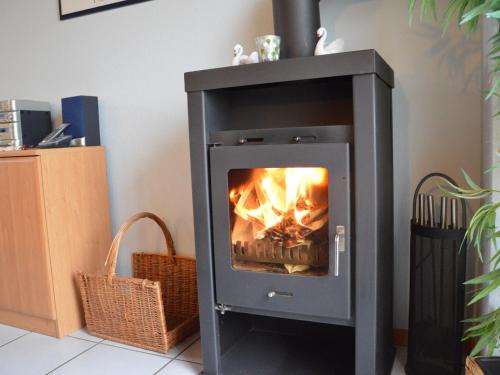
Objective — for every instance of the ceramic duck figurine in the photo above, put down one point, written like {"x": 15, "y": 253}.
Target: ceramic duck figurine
{"x": 334, "y": 47}
{"x": 240, "y": 59}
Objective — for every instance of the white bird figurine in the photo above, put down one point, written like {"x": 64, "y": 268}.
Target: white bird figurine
{"x": 334, "y": 47}
{"x": 241, "y": 59}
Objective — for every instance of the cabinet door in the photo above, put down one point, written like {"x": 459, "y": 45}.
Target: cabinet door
{"x": 25, "y": 281}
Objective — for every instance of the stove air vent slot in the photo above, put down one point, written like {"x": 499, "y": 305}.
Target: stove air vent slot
{"x": 252, "y": 140}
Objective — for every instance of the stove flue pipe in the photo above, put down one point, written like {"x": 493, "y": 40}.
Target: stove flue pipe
{"x": 296, "y": 22}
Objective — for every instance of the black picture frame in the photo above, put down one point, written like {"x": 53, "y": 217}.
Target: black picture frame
{"x": 96, "y": 9}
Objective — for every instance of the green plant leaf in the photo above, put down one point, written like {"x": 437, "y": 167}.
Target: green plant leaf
{"x": 456, "y": 7}
{"x": 411, "y": 9}
{"x": 476, "y": 12}
{"x": 485, "y": 291}
{"x": 482, "y": 343}
{"x": 428, "y": 6}
{"x": 495, "y": 14}
{"x": 482, "y": 229}
{"x": 470, "y": 181}
{"x": 480, "y": 318}
{"x": 495, "y": 38}
{"x": 494, "y": 51}
{"x": 484, "y": 278}
{"x": 484, "y": 323}
{"x": 494, "y": 89}
{"x": 495, "y": 165}
{"x": 495, "y": 259}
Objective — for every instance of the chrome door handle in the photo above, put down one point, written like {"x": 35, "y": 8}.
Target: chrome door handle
{"x": 339, "y": 247}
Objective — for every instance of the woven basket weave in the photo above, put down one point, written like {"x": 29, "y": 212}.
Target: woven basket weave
{"x": 154, "y": 310}
{"x": 472, "y": 368}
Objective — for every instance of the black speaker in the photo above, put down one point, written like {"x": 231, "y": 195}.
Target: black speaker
{"x": 82, "y": 113}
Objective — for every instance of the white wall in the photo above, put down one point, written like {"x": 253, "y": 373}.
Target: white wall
{"x": 134, "y": 58}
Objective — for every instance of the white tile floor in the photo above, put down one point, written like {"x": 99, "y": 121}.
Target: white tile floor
{"x": 28, "y": 353}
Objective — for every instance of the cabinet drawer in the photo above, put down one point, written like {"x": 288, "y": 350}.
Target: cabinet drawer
{"x": 25, "y": 277}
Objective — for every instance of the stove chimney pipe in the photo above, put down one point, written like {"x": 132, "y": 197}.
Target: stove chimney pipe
{"x": 296, "y": 22}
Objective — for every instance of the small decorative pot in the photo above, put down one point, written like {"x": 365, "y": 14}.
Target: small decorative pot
{"x": 268, "y": 47}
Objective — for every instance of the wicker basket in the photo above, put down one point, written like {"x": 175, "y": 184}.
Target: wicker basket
{"x": 472, "y": 368}
{"x": 154, "y": 310}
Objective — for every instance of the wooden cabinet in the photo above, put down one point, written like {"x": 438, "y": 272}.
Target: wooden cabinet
{"x": 54, "y": 221}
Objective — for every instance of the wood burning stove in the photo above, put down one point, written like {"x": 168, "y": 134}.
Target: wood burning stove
{"x": 292, "y": 191}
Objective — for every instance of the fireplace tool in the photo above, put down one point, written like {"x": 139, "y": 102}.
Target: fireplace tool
{"x": 437, "y": 273}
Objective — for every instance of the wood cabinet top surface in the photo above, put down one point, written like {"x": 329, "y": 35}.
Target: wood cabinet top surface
{"x": 45, "y": 151}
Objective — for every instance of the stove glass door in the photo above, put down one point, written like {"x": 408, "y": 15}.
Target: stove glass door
{"x": 281, "y": 227}
{"x": 279, "y": 220}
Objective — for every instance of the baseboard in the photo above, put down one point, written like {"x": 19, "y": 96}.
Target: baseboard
{"x": 400, "y": 337}
{"x": 30, "y": 323}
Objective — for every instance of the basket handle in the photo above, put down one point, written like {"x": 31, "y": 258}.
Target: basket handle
{"x": 110, "y": 263}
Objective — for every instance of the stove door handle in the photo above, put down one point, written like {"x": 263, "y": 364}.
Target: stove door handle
{"x": 276, "y": 293}
{"x": 339, "y": 247}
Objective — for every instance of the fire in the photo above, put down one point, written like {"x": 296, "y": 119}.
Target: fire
{"x": 282, "y": 204}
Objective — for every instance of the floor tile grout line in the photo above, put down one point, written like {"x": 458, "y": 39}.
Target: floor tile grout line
{"x": 187, "y": 347}
{"x": 173, "y": 360}
{"x": 79, "y": 338}
{"x": 137, "y": 350}
{"x": 72, "y": 358}
{"x": 184, "y": 360}
{"x": 17, "y": 338}
{"x": 165, "y": 365}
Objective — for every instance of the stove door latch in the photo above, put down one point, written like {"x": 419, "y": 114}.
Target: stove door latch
{"x": 221, "y": 308}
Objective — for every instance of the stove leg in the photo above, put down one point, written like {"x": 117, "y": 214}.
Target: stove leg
{"x": 373, "y": 249}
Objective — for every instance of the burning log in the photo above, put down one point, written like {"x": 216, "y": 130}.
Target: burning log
{"x": 289, "y": 233}
{"x": 264, "y": 251}
{"x": 317, "y": 216}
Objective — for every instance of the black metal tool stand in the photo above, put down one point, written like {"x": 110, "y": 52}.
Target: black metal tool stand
{"x": 437, "y": 274}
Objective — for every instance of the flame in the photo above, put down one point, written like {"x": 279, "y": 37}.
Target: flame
{"x": 281, "y": 199}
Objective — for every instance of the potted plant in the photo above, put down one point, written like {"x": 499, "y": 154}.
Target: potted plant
{"x": 482, "y": 227}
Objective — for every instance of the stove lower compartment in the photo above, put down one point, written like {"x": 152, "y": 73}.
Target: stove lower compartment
{"x": 274, "y": 346}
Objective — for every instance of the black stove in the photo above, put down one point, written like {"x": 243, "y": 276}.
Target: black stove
{"x": 292, "y": 173}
